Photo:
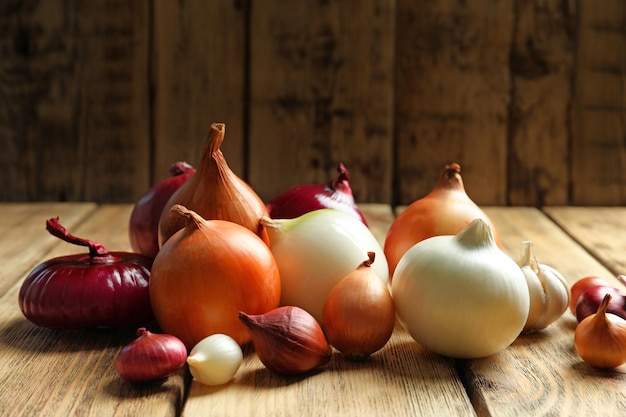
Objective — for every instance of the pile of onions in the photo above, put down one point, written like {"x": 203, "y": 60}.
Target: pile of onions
{"x": 301, "y": 199}
{"x": 144, "y": 220}
{"x": 316, "y": 250}
{"x": 446, "y": 210}
{"x": 215, "y": 192}
{"x": 206, "y": 273}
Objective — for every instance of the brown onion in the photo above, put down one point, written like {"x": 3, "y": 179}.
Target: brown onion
{"x": 215, "y": 193}
{"x": 206, "y": 273}
{"x": 446, "y": 210}
{"x": 359, "y": 314}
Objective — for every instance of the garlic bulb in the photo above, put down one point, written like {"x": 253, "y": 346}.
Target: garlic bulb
{"x": 215, "y": 359}
{"x": 549, "y": 292}
{"x": 460, "y": 295}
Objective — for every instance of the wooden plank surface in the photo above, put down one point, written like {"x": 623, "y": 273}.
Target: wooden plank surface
{"x": 199, "y": 59}
{"x": 451, "y": 106}
{"x": 599, "y": 112}
{"x": 541, "y": 68}
{"x": 602, "y": 230}
{"x": 74, "y": 103}
{"x": 68, "y": 372}
{"x": 321, "y": 92}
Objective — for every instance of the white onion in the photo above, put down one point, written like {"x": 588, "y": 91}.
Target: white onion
{"x": 461, "y": 296}
{"x": 316, "y": 250}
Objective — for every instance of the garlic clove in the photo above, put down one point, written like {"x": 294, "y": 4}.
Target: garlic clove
{"x": 215, "y": 359}
{"x": 548, "y": 290}
{"x": 288, "y": 340}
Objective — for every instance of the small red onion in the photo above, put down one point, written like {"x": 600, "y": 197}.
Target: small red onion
{"x": 591, "y": 298}
{"x": 302, "y": 199}
{"x": 101, "y": 289}
{"x": 144, "y": 219}
{"x": 151, "y": 357}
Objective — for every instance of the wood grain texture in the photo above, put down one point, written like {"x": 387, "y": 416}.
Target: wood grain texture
{"x": 199, "y": 71}
{"x": 542, "y": 62}
{"x": 321, "y": 93}
{"x": 452, "y": 96}
{"x": 75, "y": 110}
{"x": 69, "y": 372}
{"x": 599, "y": 112}
{"x": 599, "y": 229}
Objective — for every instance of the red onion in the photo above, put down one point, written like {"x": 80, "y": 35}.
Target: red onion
{"x": 101, "y": 289}
{"x": 590, "y": 300}
{"x": 302, "y": 199}
{"x": 144, "y": 220}
{"x": 151, "y": 357}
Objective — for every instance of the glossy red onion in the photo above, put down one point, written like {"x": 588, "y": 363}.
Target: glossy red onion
{"x": 302, "y": 199}
{"x": 144, "y": 220}
{"x": 591, "y": 298}
{"x": 151, "y": 357}
{"x": 99, "y": 289}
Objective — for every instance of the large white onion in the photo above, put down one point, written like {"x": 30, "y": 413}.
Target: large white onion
{"x": 461, "y": 296}
{"x": 316, "y": 250}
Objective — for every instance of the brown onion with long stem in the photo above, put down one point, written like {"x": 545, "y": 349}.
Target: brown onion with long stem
{"x": 359, "y": 314}
{"x": 206, "y": 273}
{"x": 215, "y": 192}
{"x": 446, "y": 210}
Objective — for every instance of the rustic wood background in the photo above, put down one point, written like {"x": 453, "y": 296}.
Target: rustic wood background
{"x": 98, "y": 97}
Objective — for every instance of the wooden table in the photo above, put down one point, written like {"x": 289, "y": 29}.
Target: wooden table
{"x": 46, "y": 372}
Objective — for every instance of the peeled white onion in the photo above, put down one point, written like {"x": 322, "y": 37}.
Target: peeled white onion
{"x": 316, "y": 250}
{"x": 461, "y": 296}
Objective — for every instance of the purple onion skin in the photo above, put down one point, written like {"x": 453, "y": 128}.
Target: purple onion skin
{"x": 144, "y": 219}
{"x": 590, "y": 300}
{"x": 83, "y": 291}
{"x": 301, "y": 199}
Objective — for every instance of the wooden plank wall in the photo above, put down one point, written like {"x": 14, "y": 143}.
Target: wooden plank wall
{"x": 98, "y": 97}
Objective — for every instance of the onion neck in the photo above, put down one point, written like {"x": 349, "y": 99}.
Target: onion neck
{"x": 342, "y": 182}
{"x": 476, "y": 234}
{"x": 450, "y": 179}
{"x": 211, "y": 153}
{"x": 54, "y": 227}
{"x": 192, "y": 219}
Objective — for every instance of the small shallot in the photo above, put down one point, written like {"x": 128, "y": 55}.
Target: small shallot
{"x": 359, "y": 314}
{"x": 288, "y": 340}
{"x": 150, "y": 357}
